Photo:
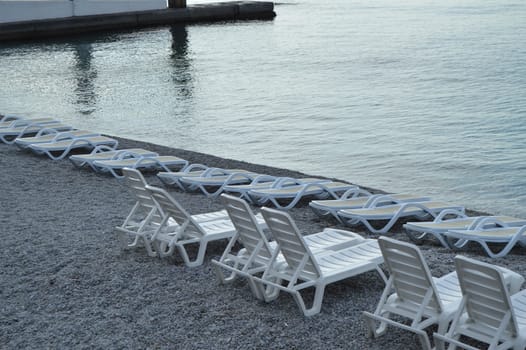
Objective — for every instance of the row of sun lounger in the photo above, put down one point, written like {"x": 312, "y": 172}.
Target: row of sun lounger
{"x": 358, "y": 207}
{"x": 347, "y": 203}
{"x": 478, "y": 300}
{"x": 354, "y": 207}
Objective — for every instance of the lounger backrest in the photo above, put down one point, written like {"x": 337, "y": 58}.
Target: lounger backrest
{"x": 412, "y": 279}
{"x": 137, "y": 185}
{"x": 249, "y": 232}
{"x": 296, "y": 252}
{"x": 173, "y": 209}
{"x": 486, "y": 297}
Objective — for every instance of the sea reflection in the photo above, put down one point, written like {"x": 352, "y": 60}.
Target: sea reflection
{"x": 181, "y": 74}
{"x": 85, "y": 74}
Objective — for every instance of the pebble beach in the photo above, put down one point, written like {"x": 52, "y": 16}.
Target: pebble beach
{"x": 65, "y": 283}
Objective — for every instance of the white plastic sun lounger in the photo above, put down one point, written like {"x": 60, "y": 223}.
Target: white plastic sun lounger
{"x": 145, "y": 219}
{"x": 449, "y": 220}
{"x": 200, "y": 172}
{"x": 11, "y": 134}
{"x": 189, "y": 231}
{"x": 392, "y": 213}
{"x": 60, "y": 149}
{"x": 269, "y": 182}
{"x": 487, "y": 313}
{"x": 171, "y": 178}
{"x": 353, "y": 200}
{"x": 291, "y": 195}
{"x": 307, "y": 269}
{"x": 260, "y": 181}
{"x": 506, "y": 237}
{"x": 212, "y": 185}
{"x": 412, "y": 293}
{"x": 107, "y": 153}
{"x": 47, "y": 135}
{"x": 138, "y": 161}
{"x": 257, "y": 250}
{"x": 17, "y": 122}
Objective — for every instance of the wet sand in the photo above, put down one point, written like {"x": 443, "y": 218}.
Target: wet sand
{"x": 65, "y": 282}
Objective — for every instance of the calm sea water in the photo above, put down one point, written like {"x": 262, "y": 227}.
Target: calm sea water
{"x": 417, "y": 96}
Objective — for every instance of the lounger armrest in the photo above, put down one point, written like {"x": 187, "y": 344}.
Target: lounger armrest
{"x": 264, "y": 178}
{"x": 213, "y": 172}
{"x": 377, "y": 199}
{"x": 237, "y": 175}
{"x": 195, "y": 166}
{"x": 46, "y": 131}
{"x": 120, "y": 155}
{"x": 61, "y": 136}
{"x": 101, "y": 148}
{"x": 355, "y": 192}
{"x": 481, "y": 222}
{"x": 458, "y": 214}
{"x": 18, "y": 123}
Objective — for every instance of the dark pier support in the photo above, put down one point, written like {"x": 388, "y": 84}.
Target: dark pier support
{"x": 175, "y": 4}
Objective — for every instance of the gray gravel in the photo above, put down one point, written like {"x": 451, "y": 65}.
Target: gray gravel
{"x": 65, "y": 283}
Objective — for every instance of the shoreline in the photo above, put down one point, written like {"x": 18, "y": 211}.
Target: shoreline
{"x": 66, "y": 283}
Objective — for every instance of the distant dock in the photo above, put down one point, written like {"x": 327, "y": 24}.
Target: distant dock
{"x": 210, "y": 12}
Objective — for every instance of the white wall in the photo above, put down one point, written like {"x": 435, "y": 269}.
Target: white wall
{"x": 13, "y": 11}
{"x": 26, "y": 10}
{"x": 97, "y": 7}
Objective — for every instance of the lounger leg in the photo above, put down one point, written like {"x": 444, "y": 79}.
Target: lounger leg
{"x": 416, "y": 237}
{"x": 200, "y": 254}
{"x": 316, "y": 304}
{"x": 272, "y": 293}
{"x": 504, "y": 251}
{"x": 222, "y": 279}
{"x": 149, "y": 249}
{"x": 453, "y": 340}
{"x": 124, "y": 238}
{"x": 163, "y": 249}
{"x": 221, "y": 275}
{"x": 370, "y": 322}
{"x": 264, "y": 292}
{"x": 256, "y": 289}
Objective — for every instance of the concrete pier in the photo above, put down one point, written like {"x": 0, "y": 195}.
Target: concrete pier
{"x": 221, "y": 11}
